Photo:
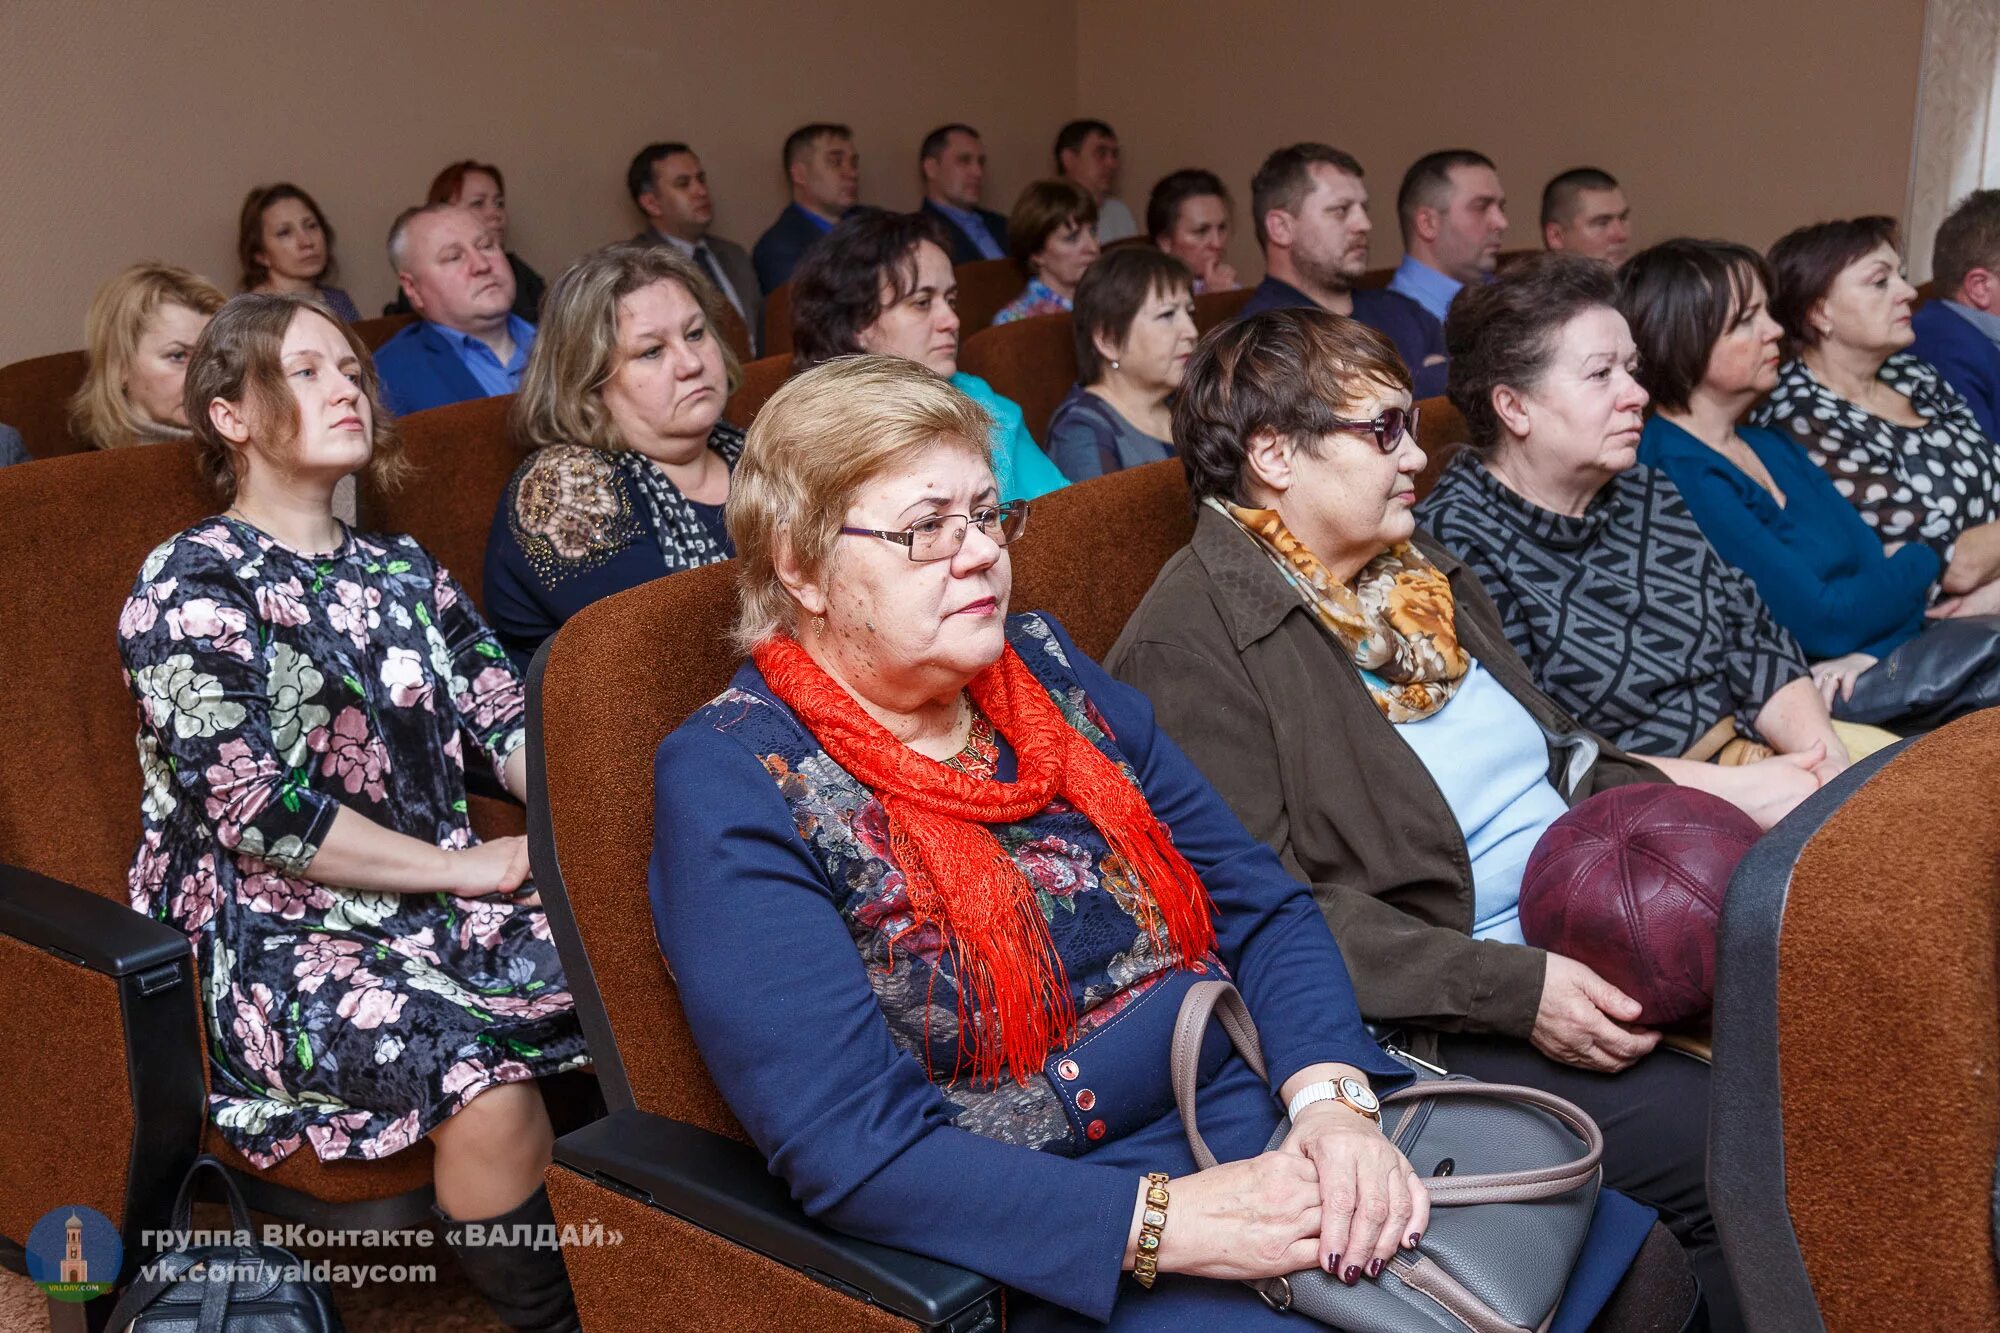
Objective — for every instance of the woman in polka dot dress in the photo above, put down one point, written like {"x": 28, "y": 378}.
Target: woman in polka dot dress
{"x": 1900, "y": 443}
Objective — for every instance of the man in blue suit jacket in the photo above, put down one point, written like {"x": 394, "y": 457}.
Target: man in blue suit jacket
{"x": 466, "y": 341}
{"x": 1960, "y": 332}
{"x": 953, "y": 163}
{"x": 825, "y": 173}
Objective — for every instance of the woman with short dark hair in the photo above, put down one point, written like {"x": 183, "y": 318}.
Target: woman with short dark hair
{"x": 285, "y": 245}
{"x": 375, "y": 974}
{"x": 1187, "y": 216}
{"x": 883, "y": 283}
{"x": 1608, "y": 588}
{"x": 1134, "y": 331}
{"x": 1901, "y": 445}
{"x": 1053, "y": 233}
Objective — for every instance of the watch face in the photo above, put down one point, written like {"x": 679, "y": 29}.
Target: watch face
{"x": 1358, "y": 1093}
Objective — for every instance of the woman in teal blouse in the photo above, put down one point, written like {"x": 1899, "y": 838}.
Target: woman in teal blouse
{"x": 882, "y": 283}
{"x": 1708, "y": 349}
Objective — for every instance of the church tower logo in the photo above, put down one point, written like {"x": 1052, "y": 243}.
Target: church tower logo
{"x": 74, "y": 1254}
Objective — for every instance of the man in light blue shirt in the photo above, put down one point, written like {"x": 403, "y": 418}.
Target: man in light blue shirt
{"x": 1454, "y": 216}
{"x": 953, "y": 163}
{"x": 466, "y": 341}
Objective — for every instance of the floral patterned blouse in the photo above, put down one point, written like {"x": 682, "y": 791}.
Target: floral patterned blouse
{"x": 1038, "y": 298}
{"x": 275, "y": 688}
{"x": 1923, "y": 483}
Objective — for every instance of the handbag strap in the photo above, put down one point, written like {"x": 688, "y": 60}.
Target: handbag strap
{"x": 1221, "y": 1000}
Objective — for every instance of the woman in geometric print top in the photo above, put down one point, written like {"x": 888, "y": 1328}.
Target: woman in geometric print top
{"x": 932, "y": 885}
{"x": 374, "y": 975}
{"x": 1901, "y": 445}
{"x": 1605, "y": 583}
{"x": 622, "y": 407}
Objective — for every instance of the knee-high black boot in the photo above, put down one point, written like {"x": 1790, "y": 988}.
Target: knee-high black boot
{"x": 526, "y": 1285}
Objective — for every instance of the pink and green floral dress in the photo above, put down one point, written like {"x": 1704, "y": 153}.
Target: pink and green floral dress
{"x": 273, "y": 689}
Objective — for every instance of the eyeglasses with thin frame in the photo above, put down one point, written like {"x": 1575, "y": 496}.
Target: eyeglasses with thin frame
{"x": 939, "y": 536}
{"x": 1388, "y": 429}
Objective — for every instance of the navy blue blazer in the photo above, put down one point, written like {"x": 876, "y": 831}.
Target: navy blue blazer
{"x": 421, "y": 370}
{"x": 781, "y": 247}
{"x": 1966, "y": 357}
{"x": 963, "y": 249}
{"x": 1414, "y": 330}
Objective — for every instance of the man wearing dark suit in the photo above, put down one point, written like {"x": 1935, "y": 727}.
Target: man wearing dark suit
{"x": 668, "y": 184}
{"x": 466, "y": 341}
{"x": 1959, "y": 333}
{"x": 825, "y": 175}
{"x": 953, "y": 162}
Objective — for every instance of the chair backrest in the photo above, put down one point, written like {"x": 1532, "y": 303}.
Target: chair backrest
{"x": 735, "y": 332}
{"x": 598, "y": 710}
{"x": 374, "y": 332}
{"x": 78, "y": 528}
{"x": 1441, "y": 434}
{"x": 1032, "y": 361}
{"x": 1213, "y": 308}
{"x": 985, "y": 286}
{"x": 1506, "y": 259}
{"x": 761, "y": 379}
{"x": 462, "y": 456}
{"x": 778, "y": 321}
{"x": 1375, "y": 277}
{"x": 1857, "y": 1038}
{"x": 1129, "y": 243}
{"x": 34, "y": 399}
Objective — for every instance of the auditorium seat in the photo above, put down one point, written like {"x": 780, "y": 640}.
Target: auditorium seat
{"x": 1213, "y": 308}
{"x": 1375, "y": 277}
{"x": 34, "y": 399}
{"x": 761, "y": 379}
{"x": 461, "y": 458}
{"x": 1506, "y": 259}
{"x": 735, "y": 332}
{"x": 778, "y": 321}
{"x": 374, "y": 332}
{"x": 1441, "y": 434}
{"x": 1032, "y": 361}
{"x": 1855, "y": 1113}
{"x": 1128, "y": 243}
{"x": 985, "y": 286}
{"x": 102, "y": 1067}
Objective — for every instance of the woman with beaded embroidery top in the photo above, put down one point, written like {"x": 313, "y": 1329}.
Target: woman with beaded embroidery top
{"x": 622, "y": 405}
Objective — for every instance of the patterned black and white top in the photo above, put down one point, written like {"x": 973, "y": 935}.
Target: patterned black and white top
{"x": 1626, "y": 615}
{"x": 1910, "y": 483}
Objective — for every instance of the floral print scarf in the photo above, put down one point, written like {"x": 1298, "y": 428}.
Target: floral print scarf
{"x": 1395, "y": 620}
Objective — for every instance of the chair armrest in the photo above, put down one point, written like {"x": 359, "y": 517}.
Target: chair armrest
{"x": 724, "y": 1186}
{"x": 86, "y": 928}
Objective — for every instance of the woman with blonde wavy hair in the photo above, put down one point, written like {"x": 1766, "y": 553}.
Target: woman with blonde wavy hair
{"x": 140, "y": 332}
{"x": 622, "y": 405}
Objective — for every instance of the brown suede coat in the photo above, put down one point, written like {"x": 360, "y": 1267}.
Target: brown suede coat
{"x": 1271, "y": 709}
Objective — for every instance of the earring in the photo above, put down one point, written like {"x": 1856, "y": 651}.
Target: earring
{"x": 819, "y": 624}
{"x": 1114, "y": 365}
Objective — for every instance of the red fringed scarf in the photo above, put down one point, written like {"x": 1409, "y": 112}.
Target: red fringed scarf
{"x": 959, "y": 879}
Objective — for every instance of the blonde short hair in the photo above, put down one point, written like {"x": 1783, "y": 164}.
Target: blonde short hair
{"x": 576, "y": 344}
{"x": 812, "y": 447}
{"x": 99, "y": 412}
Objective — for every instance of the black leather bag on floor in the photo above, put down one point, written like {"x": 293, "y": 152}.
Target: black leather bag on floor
{"x": 248, "y": 1288}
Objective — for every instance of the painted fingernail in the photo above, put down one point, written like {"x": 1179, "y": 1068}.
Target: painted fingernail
{"x": 1333, "y": 1263}
{"x": 1374, "y": 1268}
{"x": 1415, "y": 1238}
{"x": 1350, "y": 1275}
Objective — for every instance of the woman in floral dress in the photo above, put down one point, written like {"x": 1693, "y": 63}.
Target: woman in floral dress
{"x": 374, "y": 974}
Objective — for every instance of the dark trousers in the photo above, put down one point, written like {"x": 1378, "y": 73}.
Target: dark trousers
{"x": 1655, "y": 1121}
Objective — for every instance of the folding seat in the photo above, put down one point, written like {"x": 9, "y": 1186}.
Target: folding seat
{"x": 778, "y": 321}
{"x": 1032, "y": 361}
{"x": 1129, "y": 243}
{"x": 461, "y": 457}
{"x": 34, "y": 399}
{"x": 761, "y": 379}
{"x": 1855, "y": 1114}
{"x": 1506, "y": 259}
{"x": 1213, "y": 308}
{"x": 102, "y": 1069}
{"x": 1375, "y": 277}
{"x": 985, "y": 286}
{"x": 1441, "y": 434}
{"x": 374, "y": 332}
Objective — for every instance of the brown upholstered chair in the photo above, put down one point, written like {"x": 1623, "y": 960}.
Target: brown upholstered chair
{"x": 102, "y": 1067}
{"x": 1926, "y": 292}
{"x": 985, "y": 286}
{"x": 1857, "y": 1037}
{"x": 1375, "y": 277}
{"x": 1441, "y": 434}
{"x": 34, "y": 399}
{"x": 1213, "y": 308}
{"x": 1032, "y": 361}
{"x": 462, "y": 455}
{"x": 1129, "y": 243}
{"x": 761, "y": 379}
{"x": 374, "y": 332}
{"x": 1506, "y": 259}
{"x": 778, "y": 321}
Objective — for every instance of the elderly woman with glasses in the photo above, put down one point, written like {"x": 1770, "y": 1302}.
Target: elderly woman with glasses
{"x": 1349, "y": 688}
{"x": 933, "y": 886}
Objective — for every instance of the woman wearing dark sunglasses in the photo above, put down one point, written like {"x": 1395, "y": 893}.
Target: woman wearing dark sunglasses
{"x": 1349, "y": 688}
